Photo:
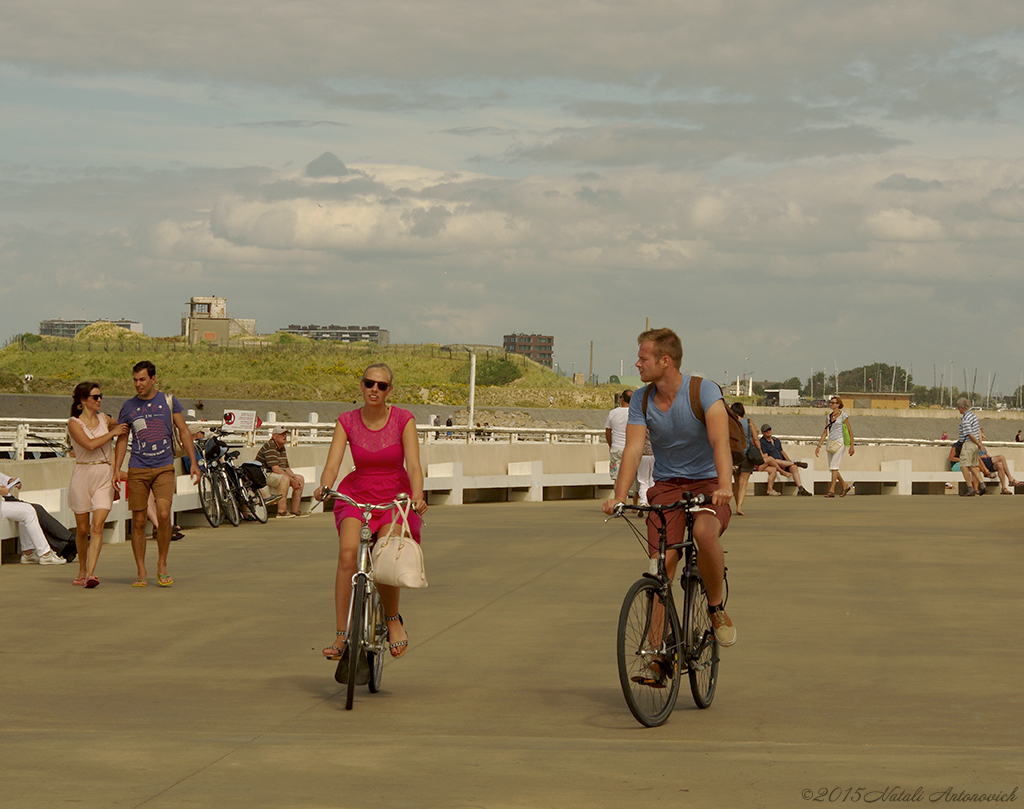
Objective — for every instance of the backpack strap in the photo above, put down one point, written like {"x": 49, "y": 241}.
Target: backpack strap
{"x": 647, "y": 394}
{"x": 695, "y": 403}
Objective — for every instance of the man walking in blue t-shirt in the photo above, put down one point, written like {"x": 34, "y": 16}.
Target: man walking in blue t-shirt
{"x": 689, "y": 456}
{"x": 149, "y": 416}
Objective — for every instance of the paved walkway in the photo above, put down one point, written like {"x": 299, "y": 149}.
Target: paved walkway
{"x": 880, "y": 646}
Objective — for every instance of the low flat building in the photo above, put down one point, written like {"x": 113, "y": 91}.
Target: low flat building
{"x": 56, "y": 327}
{"x": 342, "y": 334}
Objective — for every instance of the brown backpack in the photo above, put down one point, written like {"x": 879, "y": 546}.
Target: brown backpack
{"x": 737, "y": 435}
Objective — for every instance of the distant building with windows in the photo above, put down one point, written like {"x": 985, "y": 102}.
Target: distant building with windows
{"x": 343, "y": 334}
{"x": 207, "y": 321}
{"x": 538, "y": 347}
{"x": 70, "y": 328}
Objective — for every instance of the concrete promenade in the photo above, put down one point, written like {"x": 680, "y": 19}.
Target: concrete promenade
{"x": 880, "y": 646}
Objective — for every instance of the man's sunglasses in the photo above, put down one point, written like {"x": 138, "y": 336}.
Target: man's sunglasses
{"x": 381, "y": 386}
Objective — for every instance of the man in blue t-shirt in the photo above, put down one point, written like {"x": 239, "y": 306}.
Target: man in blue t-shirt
{"x": 689, "y": 456}
{"x": 149, "y": 416}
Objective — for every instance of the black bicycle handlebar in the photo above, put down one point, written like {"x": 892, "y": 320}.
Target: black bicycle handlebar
{"x": 687, "y": 501}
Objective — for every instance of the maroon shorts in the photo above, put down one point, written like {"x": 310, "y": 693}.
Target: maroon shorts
{"x": 668, "y": 491}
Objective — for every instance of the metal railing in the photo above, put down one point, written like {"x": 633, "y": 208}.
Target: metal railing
{"x": 23, "y": 438}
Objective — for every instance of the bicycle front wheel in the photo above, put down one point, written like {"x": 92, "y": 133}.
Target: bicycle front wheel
{"x": 701, "y": 645}
{"x": 228, "y": 505}
{"x": 648, "y": 653}
{"x": 208, "y": 500}
{"x": 355, "y": 637}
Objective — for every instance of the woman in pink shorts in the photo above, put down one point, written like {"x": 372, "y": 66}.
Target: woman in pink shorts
{"x": 91, "y": 490}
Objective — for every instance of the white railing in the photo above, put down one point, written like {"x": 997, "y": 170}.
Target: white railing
{"x": 28, "y": 438}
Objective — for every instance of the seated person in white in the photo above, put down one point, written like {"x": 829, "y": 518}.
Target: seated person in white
{"x": 35, "y": 550}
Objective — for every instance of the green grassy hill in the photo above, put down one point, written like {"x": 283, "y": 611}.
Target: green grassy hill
{"x": 284, "y": 366}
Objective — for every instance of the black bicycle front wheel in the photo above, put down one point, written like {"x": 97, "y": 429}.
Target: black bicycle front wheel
{"x": 208, "y": 500}
{"x": 355, "y": 638}
{"x": 647, "y": 648}
{"x": 701, "y": 645}
{"x": 377, "y": 640}
{"x": 228, "y": 504}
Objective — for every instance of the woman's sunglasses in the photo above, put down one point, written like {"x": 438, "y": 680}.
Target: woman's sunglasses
{"x": 96, "y": 396}
{"x": 381, "y": 386}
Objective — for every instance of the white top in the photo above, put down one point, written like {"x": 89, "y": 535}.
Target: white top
{"x": 616, "y": 422}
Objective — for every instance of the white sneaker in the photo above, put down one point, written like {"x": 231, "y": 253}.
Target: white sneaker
{"x": 50, "y": 558}
{"x": 286, "y": 516}
{"x": 29, "y": 558}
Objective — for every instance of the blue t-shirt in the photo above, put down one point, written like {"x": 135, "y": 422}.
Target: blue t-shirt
{"x": 678, "y": 437}
{"x": 150, "y": 424}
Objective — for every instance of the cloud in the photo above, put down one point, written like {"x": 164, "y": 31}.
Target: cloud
{"x": 902, "y": 225}
{"x": 901, "y": 182}
{"x": 327, "y": 165}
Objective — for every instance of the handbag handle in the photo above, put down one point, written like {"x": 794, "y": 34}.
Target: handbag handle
{"x": 402, "y": 507}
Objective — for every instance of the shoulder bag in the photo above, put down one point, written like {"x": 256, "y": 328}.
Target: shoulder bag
{"x": 753, "y": 452}
{"x": 178, "y": 447}
{"x": 397, "y": 557}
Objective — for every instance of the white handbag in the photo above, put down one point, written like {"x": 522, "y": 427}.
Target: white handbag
{"x": 398, "y": 558}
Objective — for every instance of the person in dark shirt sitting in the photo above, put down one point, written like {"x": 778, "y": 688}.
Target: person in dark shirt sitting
{"x": 771, "y": 447}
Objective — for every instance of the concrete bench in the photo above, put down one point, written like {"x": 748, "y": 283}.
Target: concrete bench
{"x": 445, "y": 484}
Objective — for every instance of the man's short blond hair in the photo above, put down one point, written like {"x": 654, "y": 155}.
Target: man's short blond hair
{"x": 664, "y": 342}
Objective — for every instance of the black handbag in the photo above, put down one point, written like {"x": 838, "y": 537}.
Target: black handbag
{"x": 753, "y": 452}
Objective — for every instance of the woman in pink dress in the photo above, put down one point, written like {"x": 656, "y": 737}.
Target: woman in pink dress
{"x": 386, "y": 454}
{"x": 90, "y": 490}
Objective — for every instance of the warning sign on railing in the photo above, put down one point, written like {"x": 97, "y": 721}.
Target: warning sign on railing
{"x": 243, "y": 421}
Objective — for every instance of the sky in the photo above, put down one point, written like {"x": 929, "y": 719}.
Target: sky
{"x": 791, "y": 185}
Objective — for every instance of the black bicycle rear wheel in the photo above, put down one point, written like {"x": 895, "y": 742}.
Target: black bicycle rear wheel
{"x": 377, "y": 639}
{"x": 254, "y": 502}
{"x": 647, "y": 648}
{"x": 701, "y": 645}
{"x": 228, "y": 504}
{"x": 208, "y": 500}
{"x": 355, "y": 637}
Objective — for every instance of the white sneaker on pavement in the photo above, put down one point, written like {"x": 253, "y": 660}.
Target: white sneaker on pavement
{"x": 29, "y": 558}
{"x": 50, "y": 558}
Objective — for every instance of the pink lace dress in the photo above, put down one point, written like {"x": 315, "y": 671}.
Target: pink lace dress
{"x": 380, "y": 468}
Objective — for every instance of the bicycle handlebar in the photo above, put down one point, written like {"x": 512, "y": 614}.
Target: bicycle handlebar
{"x": 686, "y": 502}
{"x": 401, "y": 497}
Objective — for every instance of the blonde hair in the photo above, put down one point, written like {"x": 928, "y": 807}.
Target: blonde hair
{"x": 383, "y": 366}
{"x": 664, "y": 342}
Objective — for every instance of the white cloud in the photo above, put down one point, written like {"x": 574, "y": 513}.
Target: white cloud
{"x": 902, "y": 225}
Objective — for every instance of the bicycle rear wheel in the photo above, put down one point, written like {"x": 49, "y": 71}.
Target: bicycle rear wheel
{"x": 647, "y": 648}
{"x": 254, "y": 502}
{"x": 208, "y": 500}
{"x": 701, "y": 645}
{"x": 228, "y": 505}
{"x": 376, "y": 639}
{"x": 355, "y": 637}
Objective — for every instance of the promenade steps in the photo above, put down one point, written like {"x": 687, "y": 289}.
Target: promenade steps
{"x": 458, "y": 473}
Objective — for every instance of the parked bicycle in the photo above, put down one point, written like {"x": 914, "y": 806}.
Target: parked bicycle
{"x": 653, "y": 645}
{"x": 367, "y": 638}
{"x": 229, "y": 491}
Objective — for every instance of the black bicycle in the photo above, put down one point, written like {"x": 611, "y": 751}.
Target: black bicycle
{"x": 653, "y": 645}
{"x": 229, "y": 491}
